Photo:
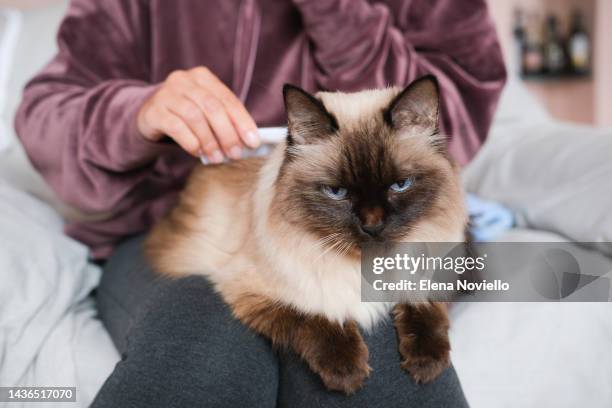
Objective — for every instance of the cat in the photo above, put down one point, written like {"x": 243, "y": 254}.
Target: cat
{"x": 279, "y": 237}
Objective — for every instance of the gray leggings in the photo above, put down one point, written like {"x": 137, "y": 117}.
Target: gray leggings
{"x": 181, "y": 347}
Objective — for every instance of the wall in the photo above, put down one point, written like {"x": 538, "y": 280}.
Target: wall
{"x": 502, "y": 12}
{"x": 27, "y": 4}
{"x": 576, "y": 100}
{"x": 603, "y": 64}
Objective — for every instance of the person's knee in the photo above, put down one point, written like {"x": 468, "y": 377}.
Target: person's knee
{"x": 189, "y": 310}
{"x": 187, "y": 336}
{"x": 191, "y": 300}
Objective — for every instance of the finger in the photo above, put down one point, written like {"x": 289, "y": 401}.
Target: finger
{"x": 191, "y": 114}
{"x": 239, "y": 116}
{"x": 243, "y": 122}
{"x": 219, "y": 121}
{"x": 179, "y": 78}
{"x": 173, "y": 126}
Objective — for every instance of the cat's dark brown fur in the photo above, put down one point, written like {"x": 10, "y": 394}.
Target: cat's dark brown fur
{"x": 422, "y": 331}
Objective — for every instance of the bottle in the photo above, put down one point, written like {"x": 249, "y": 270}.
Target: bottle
{"x": 519, "y": 45}
{"x": 579, "y": 45}
{"x": 554, "y": 54}
{"x": 532, "y": 61}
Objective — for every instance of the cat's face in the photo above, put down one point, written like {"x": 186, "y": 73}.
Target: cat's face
{"x": 353, "y": 177}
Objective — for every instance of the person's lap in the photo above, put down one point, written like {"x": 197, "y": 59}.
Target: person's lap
{"x": 182, "y": 347}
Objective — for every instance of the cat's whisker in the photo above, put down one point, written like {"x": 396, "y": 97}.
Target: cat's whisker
{"x": 342, "y": 248}
{"x": 346, "y": 248}
{"x": 328, "y": 238}
{"x": 325, "y": 241}
{"x": 330, "y": 248}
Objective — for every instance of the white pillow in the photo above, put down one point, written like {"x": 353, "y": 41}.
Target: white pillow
{"x": 556, "y": 176}
{"x": 517, "y": 104}
{"x": 27, "y": 43}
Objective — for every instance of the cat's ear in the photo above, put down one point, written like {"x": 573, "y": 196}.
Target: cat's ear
{"x": 416, "y": 107}
{"x": 307, "y": 118}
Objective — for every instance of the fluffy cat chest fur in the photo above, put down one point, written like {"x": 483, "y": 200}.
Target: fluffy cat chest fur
{"x": 319, "y": 285}
{"x": 317, "y": 281}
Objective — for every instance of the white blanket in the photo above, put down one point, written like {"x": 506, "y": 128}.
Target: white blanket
{"x": 49, "y": 335}
{"x": 533, "y": 355}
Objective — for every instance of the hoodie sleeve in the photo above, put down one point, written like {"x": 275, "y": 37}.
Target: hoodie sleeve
{"x": 357, "y": 44}
{"x": 77, "y": 117}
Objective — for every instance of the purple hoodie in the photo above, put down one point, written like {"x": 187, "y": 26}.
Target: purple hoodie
{"x": 77, "y": 118}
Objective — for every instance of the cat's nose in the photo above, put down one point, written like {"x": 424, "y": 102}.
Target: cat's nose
{"x": 371, "y": 220}
{"x": 372, "y": 230}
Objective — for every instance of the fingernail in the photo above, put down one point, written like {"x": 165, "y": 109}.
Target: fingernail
{"x": 216, "y": 157}
{"x": 235, "y": 153}
{"x": 252, "y": 138}
{"x": 204, "y": 160}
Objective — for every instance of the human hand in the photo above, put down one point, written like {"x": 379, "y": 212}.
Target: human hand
{"x": 201, "y": 114}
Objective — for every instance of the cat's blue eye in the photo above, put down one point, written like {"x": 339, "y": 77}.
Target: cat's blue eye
{"x": 335, "y": 193}
{"x": 401, "y": 186}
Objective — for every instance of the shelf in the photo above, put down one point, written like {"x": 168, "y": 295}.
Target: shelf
{"x": 566, "y": 76}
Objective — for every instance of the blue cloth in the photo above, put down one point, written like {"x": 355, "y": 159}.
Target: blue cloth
{"x": 488, "y": 219}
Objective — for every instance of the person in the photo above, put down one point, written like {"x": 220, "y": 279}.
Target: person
{"x": 139, "y": 89}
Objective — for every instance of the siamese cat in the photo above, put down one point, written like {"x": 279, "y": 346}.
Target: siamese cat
{"x": 279, "y": 237}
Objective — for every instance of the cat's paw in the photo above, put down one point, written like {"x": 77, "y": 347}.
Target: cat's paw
{"x": 425, "y": 369}
{"x": 347, "y": 378}
{"x": 342, "y": 363}
{"x": 424, "y": 362}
